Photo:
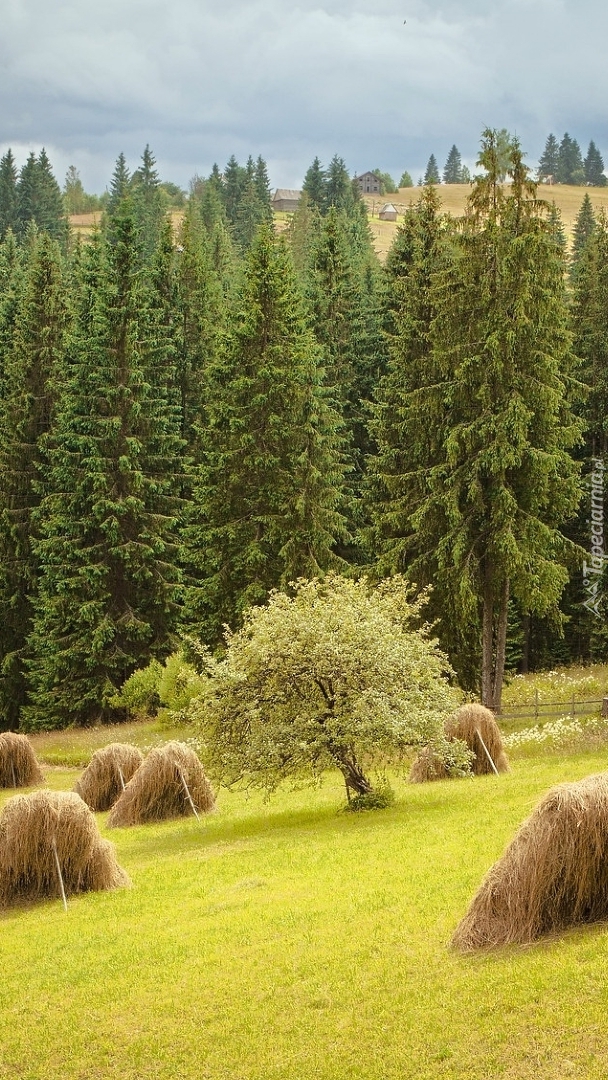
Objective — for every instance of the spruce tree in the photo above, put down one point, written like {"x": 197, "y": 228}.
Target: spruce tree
{"x": 570, "y": 168}
{"x": 266, "y": 493}
{"x": 431, "y": 175}
{"x": 149, "y": 204}
{"x": 452, "y": 172}
{"x": 484, "y": 522}
{"x": 583, "y": 228}
{"x": 106, "y": 601}
{"x": 315, "y": 186}
{"x": 32, "y": 362}
{"x": 8, "y": 194}
{"x": 339, "y": 190}
{"x": 119, "y": 185}
{"x": 549, "y": 159}
{"x": 594, "y": 167}
{"x": 234, "y": 182}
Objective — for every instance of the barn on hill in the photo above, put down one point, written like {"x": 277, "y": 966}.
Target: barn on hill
{"x": 369, "y": 183}
{"x": 286, "y": 199}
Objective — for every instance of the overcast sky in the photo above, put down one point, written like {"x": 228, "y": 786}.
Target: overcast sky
{"x": 200, "y": 81}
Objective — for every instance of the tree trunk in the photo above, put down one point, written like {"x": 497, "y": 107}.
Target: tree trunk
{"x": 487, "y": 643}
{"x": 501, "y": 646}
{"x": 354, "y": 777}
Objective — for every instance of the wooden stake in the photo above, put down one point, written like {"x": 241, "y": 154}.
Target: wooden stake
{"x": 478, "y": 733}
{"x": 59, "y": 874}
{"x": 122, "y": 779}
{"x": 183, "y": 780}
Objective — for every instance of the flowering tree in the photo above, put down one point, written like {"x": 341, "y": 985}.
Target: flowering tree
{"x": 340, "y": 673}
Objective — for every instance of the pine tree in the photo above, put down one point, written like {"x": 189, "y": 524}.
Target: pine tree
{"x": 338, "y": 188}
{"x": 106, "y": 599}
{"x": 149, "y": 204}
{"x": 570, "y": 168}
{"x": 431, "y": 175}
{"x": 452, "y": 172}
{"x": 548, "y": 165}
{"x": 119, "y": 185}
{"x": 344, "y": 300}
{"x": 8, "y": 194}
{"x": 583, "y": 228}
{"x": 594, "y": 167}
{"x": 267, "y": 491}
{"x": 262, "y": 187}
{"x": 36, "y": 351}
{"x": 315, "y": 186}
{"x": 39, "y": 199}
{"x": 235, "y": 180}
{"x": 499, "y": 479}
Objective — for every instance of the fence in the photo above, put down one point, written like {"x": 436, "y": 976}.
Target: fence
{"x": 548, "y": 710}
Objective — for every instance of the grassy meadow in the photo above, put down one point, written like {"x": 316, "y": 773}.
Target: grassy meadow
{"x": 286, "y": 939}
{"x": 567, "y": 198}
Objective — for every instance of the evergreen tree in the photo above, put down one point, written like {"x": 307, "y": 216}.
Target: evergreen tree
{"x": 106, "y": 599}
{"x": 484, "y": 522}
{"x": 339, "y": 189}
{"x": 149, "y": 204}
{"x": 262, "y": 188}
{"x": 431, "y": 175}
{"x": 344, "y": 300}
{"x": 406, "y": 180}
{"x": 549, "y": 160}
{"x": 594, "y": 167}
{"x": 267, "y": 491}
{"x": 583, "y": 228}
{"x": 39, "y": 199}
{"x": 303, "y": 231}
{"x": 315, "y": 186}
{"x": 570, "y": 168}
{"x": 36, "y": 351}
{"x": 8, "y": 194}
{"x": 119, "y": 185}
{"x": 452, "y": 172}
{"x": 234, "y": 183}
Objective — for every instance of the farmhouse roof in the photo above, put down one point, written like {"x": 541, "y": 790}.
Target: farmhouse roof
{"x": 388, "y": 208}
{"x": 286, "y": 193}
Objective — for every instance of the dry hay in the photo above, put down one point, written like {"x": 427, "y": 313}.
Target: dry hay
{"x": 107, "y": 774}
{"x": 427, "y": 766}
{"x": 39, "y": 829}
{"x": 468, "y": 723}
{"x": 554, "y": 873}
{"x": 18, "y": 764}
{"x": 158, "y": 789}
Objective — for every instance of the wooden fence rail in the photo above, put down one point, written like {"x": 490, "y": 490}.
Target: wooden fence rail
{"x": 546, "y": 710}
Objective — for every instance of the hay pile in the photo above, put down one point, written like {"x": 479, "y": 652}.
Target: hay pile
{"x": 468, "y": 723}
{"x": 554, "y": 873}
{"x": 107, "y": 775}
{"x": 427, "y": 766}
{"x": 158, "y": 789}
{"x": 474, "y": 725}
{"x": 18, "y": 764}
{"x": 39, "y": 829}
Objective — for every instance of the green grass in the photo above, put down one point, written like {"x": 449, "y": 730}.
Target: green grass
{"x": 287, "y": 940}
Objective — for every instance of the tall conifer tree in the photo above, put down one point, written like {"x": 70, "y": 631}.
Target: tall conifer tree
{"x": 106, "y": 600}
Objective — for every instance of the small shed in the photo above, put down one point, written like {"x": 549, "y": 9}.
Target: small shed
{"x": 286, "y": 199}
{"x": 369, "y": 183}
{"x": 388, "y": 212}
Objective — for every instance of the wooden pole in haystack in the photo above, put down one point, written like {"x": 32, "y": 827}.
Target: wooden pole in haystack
{"x": 59, "y": 874}
{"x": 121, "y": 777}
{"x": 488, "y": 755}
{"x": 183, "y": 780}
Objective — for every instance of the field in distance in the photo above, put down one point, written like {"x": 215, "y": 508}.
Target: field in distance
{"x": 453, "y": 197}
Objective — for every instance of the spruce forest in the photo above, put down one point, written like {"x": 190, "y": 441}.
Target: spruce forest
{"x": 196, "y": 414}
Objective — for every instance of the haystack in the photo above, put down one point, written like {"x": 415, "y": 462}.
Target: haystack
{"x": 554, "y": 873}
{"x": 170, "y": 783}
{"x": 107, "y": 775}
{"x": 476, "y": 726}
{"x": 49, "y": 831}
{"x": 18, "y": 764}
{"x": 427, "y": 766}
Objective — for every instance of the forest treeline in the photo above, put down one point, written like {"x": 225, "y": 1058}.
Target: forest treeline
{"x": 191, "y": 419}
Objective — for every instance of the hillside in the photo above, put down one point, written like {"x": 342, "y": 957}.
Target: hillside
{"x": 454, "y": 196}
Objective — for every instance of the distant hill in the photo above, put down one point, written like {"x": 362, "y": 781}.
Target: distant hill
{"x": 454, "y": 196}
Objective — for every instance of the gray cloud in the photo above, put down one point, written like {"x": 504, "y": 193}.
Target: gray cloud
{"x": 199, "y": 81}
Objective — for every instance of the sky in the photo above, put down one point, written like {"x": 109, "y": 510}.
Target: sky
{"x": 383, "y": 84}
